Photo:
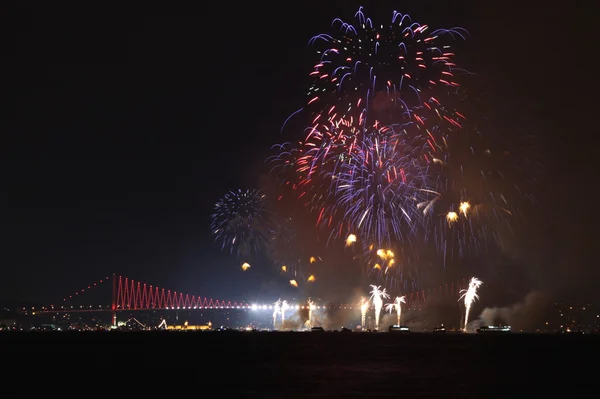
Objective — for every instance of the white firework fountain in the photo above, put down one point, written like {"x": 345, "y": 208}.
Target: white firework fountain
{"x": 396, "y": 306}
{"x": 470, "y": 295}
{"x": 364, "y": 308}
{"x": 311, "y": 306}
{"x": 283, "y": 307}
{"x": 377, "y": 296}
{"x": 276, "y": 312}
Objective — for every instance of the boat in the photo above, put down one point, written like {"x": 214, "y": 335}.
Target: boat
{"x": 493, "y": 329}
{"x": 397, "y": 328}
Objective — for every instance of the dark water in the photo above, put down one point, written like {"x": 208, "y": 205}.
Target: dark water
{"x": 323, "y": 365}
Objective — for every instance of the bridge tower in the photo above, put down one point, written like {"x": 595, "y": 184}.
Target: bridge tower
{"x": 114, "y": 301}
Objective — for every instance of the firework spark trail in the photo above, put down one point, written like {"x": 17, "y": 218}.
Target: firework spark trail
{"x": 377, "y": 296}
{"x": 470, "y": 295}
{"x": 396, "y": 306}
{"x": 284, "y": 306}
{"x": 276, "y": 312}
{"x": 364, "y": 308}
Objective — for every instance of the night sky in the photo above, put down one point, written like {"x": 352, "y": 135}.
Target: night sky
{"x": 130, "y": 124}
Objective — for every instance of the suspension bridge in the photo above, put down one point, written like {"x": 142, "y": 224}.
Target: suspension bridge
{"x": 132, "y": 295}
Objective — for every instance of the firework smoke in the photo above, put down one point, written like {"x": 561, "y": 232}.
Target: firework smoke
{"x": 377, "y": 296}
{"x": 397, "y": 306}
{"x": 523, "y": 315}
{"x": 470, "y": 295}
{"x": 364, "y": 308}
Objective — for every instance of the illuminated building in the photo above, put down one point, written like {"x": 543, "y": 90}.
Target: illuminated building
{"x": 187, "y": 327}
{"x": 573, "y": 318}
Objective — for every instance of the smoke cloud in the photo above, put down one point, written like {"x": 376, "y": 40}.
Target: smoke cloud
{"x": 524, "y": 315}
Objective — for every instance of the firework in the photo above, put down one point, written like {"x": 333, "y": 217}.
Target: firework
{"x": 372, "y": 186}
{"x": 359, "y": 60}
{"x": 276, "y": 312}
{"x": 350, "y": 240}
{"x": 396, "y": 306}
{"x": 240, "y": 221}
{"x": 470, "y": 295}
{"x": 310, "y": 306}
{"x": 284, "y": 306}
{"x": 382, "y": 259}
{"x": 364, "y": 308}
{"x": 362, "y": 64}
{"x": 379, "y": 188}
{"x": 397, "y": 267}
{"x": 374, "y": 191}
{"x": 389, "y": 160}
{"x": 377, "y": 296}
{"x": 449, "y": 158}
{"x": 363, "y": 68}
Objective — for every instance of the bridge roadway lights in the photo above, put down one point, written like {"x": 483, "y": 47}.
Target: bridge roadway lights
{"x": 249, "y": 307}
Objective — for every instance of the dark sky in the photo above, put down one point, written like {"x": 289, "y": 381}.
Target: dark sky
{"x": 129, "y": 124}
